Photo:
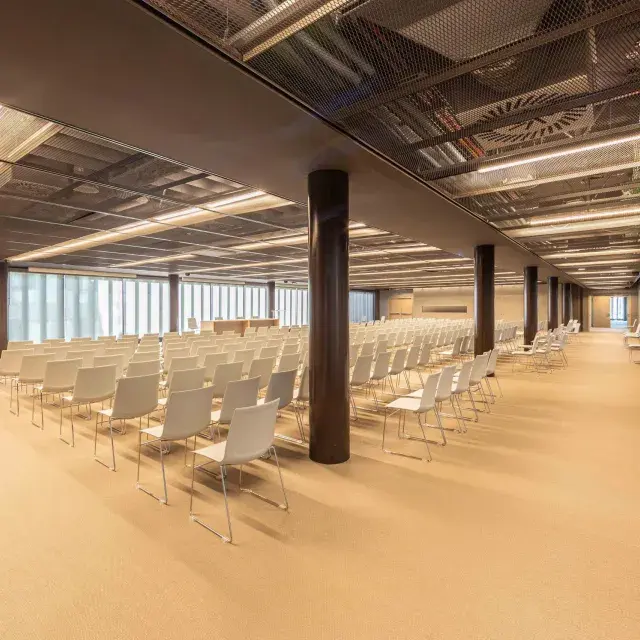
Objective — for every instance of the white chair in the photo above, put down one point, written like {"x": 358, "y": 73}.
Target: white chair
{"x": 245, "y": 356}
{"x": 268, "y": 352}
{"x": 289, "y": 361}
{"x": 203, "y": 351}
{"x": 418, "y": 405}
{"x": 301, "y": 398}
{"x": 251, "y": 435}
{"x": 86, "y": 355}
{"x": 360, "y": 377}
{"x": 32, "y": 370}
{"x": 183, "y": 380}
{"x": 11, "y": 361}
{"x": 59, "y": 377}
{"x": 182, "y": 352}
{"x": 144, "y": 356}
{"x": 187, "y": 413}
{"x": 397, "y": 367}
{"x": 134, "y": 397}
{"x": 180, "y": 364}
{"x": 262, "y": 368}
{"x": 379, "y": 374}
{"x": 238, "y": 394}
{"x": 223, "y": 375}
{"x": 143, "y": 368}
{"x": 211, "y": 362}
{"x": 411, "y": 364}
{"x": 19, "y": 344}
{"x": 282, "y": 388}
{"x": 105, "y": 361}
{"x": 290, "y": 348}
{"x": 93, "y": 384}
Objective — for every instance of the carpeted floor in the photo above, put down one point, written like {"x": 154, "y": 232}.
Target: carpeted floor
{"x": 526, "y": 527}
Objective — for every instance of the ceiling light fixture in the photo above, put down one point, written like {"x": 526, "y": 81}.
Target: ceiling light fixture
{"x": 560, "y": 153}
{"x": 598, "y": 252}
{"x": 553, "y": 230}
{"x": 590, "y": 263}
{"x": 161, "y": 259}
{"x": 587, "y": 215}
{"x": 226, "y": 205}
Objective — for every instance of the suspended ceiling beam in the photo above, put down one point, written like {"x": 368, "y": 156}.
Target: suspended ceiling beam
{"x": 493, "y": 57}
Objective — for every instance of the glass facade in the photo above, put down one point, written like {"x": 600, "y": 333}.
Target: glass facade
{"x": 362, "y": 306}
{"x": 45, "y": 306}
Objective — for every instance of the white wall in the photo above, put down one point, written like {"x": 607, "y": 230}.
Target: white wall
{"x": 509, "y": 302}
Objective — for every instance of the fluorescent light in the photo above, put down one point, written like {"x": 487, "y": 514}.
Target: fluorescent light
{"x": 380, "y": 252}
{"x": 560, "y": 153}
{"x": 403, "y": 263}
{"x": 582, "y": 272}
{"x": 181, "y": 256}
{"x": 587, "y": 215}
{"x": 551, "y": 229}
{"x": 235, "y": 204}
{"x": 596, "y": 252}
{"x": 80, "y": 272}
{"x": 590, "y": 263}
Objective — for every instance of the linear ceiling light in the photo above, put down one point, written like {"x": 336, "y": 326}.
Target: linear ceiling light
{"x": 598, "y": 252}
{"x": 225, "y": 205}
{"x": 407, "y": 249}
{"x": 81, "y": 272}
{"x": 590, "y": 263}
{"x": 551, "y": 229}
{"x": 587, "y": 215}
{"x": 161, "y": 259}
{"x": 560, "y": 153}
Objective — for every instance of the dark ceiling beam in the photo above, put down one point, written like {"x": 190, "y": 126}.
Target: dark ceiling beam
{"x": 495, "y": 56}
{"x": 525, "y": 115}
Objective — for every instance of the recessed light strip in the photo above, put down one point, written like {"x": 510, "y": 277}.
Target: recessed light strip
{"x": 560, "y": 153}
{"x": 586, "y": 215}
{"x": 161, "y": 259}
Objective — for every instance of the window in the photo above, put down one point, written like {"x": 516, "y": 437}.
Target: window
{"x": 362, "y": 306}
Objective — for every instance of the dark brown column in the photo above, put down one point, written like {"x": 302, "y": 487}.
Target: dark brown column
{"x": 329, "y": 321}
{"x": 530, "y": 304}
{"x": 483, "y": 302}
{"x": 566, "y": 303}
{"x": 552, "y": 301}
{"x": 4, "y": 305}
{"x": 376, "y": 305}
{"x": 271, "y": 299}
{"x": 575, "y": 302}
{"x": 174, "y": 301}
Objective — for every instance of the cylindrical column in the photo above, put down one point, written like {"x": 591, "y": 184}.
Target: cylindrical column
{"x": 530, "y": 304}
{"x": 566, "y": 303}
{"x": 552, "y": 301}
{"x": 329, "y": 321}
{"x": 271, "y": 299}
{"x": 4, "y": 305}
{"x": 174, "y": 301}
{"x": 483, "y": 302}
{"x": 376, "y": 305}
{"x": 575, "y": 302}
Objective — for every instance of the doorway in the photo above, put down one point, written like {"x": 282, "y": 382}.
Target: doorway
{"x": 618, "y": 312}
{"x": 610, "y": 312}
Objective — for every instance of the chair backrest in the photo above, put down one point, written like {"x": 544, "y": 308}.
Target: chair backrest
{"x": 245, "y": 356}
{"x": 457, "y": 345}
{"x": 464, "y": 376}
{"x": 251, "y": 433}
{"x": 142, "y": 347}
{"x": 19, "y": 344}
{"x": 135, "y": 397}
{"x": 211, "y": 361}
{"x": 367, "y": 349}
{"x": 223, "y": 375}
{"x": 443, "y": 391}
{"x": 203, "y": 350}
{"x": 478, "y": 369}
{"x": 170, "y": 355}
{"x": 425, "y": 354}
{"x": 397, "y": 365}
{"x": 290, "y": 348}
{"x": 412, "y": 358}
{"x": 303, "y": 389}
{"x": 143, "y": 368}
{"x": 94, "y": 384}
{"x": 262, "y": 368}
{"x": 86, "y": 355}
{"x": 105, "y": 361}
{"x": 188, "y": 413}
{"x": 238, "y": 394}
{"x": 184, "y": 379}
{"x": 60, "y": 375}
{"x": 180, "y": 364}
{"x": 32, "y": 367}
{"x": 381, "y": 366}
{"x": 362, "y": 371}
{"x": 281, "y": 387}
{"x": 268, "y": 352}
{"x": 144, "y": 356}
{"x": 493, "y": 360}
{"x": 289, "y": 361}
{"x": 10, "y": 360}
{"x": 429, "y": 391}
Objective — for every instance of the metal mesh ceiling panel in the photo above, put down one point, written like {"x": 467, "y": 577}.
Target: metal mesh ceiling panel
{"x": 446, "y": 87}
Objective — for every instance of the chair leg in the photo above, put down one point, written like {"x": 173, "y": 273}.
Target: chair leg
{"x": 113, "y": 449}
{"x": 192, "y": 515}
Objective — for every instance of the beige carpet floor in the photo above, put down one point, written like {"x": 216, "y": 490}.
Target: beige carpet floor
{"x": 526, "y": 527}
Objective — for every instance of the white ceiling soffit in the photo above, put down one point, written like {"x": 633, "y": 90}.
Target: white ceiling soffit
{"x": 165, "y": 93}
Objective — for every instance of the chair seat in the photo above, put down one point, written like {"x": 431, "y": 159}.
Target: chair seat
{"x": 415, "y": 394}
{"x": 162, "y": 402}
{"x": 156, "y": 432}
{"x": 215, "y": 415}
{"x": 406, "y": 403}
{"x": 214, "y": 452}
{"x": 8, "y": 373}
{"x": 633, "y": 346}
{"x": 521, "y": 353}
{"x": 106, "y": 412}
{"x": 44, "y": 389}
